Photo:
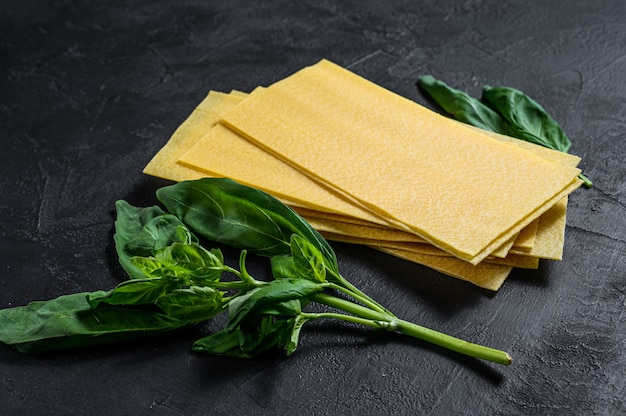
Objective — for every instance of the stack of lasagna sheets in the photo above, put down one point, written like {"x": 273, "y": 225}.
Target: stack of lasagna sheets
{"x": 364, "y": 165}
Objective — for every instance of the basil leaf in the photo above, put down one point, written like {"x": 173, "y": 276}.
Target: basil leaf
{"x": 172, "y": 268}
{"x": 69, "y": 322}
{"x": 249, "y": 341}
{"x": 192, "y": 261}
{"x": 294, "y": 335}
{"x": 189, "y": 261}
{"x": 225, "y": 211}
{"x": 463, "y": 107}
{"x": 195, "y": 303}
{"x": 152, "y": 267}
{"x": 140, "y": 231}
{"x": 527, "y": 118}
{"x": 282, "y": 308}
{"x": 283, "y": 267}
{"x": 269, "y": 295}
{"x": 221, "y": 343}
{"x": 135, "y": 292}
{"x": 308, "y": 261}
{"x": 268, "y": 333}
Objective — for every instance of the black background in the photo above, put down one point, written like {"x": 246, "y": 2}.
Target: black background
{"x": 89, "y": 91}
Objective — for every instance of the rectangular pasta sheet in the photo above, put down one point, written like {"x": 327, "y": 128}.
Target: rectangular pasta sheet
{"x": 456, "y": 188}
{"x": 205, "y": 146}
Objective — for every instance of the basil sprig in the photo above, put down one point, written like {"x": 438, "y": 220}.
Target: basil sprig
{"x": 175, "y": 282}
{"x": 501, "y": 110}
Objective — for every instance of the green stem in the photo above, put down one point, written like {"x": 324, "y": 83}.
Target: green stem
{"x": 361, "y": 297}
{"x": 232, "y": 270}
{"x": 586, "y": 181}
{"x": 358, "y": 294}
{"x": 348, "y": 318}
{"x": 245, "y": 276}
{"x": 232, "y": 285}
{"x": 391, "y": 323}
{"x": 454, "y": 344}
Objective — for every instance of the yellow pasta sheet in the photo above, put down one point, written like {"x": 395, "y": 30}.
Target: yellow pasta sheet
{"x": 209, "y": 151}
{"x": 514, "y": 260}
{"x": 339, "y": 228}
{"x": 546, "y": 243}
{"x": 251, "y": 166}
{"x": 257, "y": 168}
{"x": 484, "y": 275}
{"x": 202, "y": 119}
{"x": 456, "y": 188}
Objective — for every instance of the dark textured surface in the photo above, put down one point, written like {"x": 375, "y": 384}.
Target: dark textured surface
{"x": 89, "y": 91}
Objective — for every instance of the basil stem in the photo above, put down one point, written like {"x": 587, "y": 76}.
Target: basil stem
{"x": 365, "y": 316}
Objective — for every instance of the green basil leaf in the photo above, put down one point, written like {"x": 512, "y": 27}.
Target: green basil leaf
{"x": 283, "y": 267}
{"x": 152, "y": 267}
{"x": 284, "y": 308}
{"x": 249, "y": 341}
{"x": 272, "y": 333}
{"x": 195, "y": 303}
{"x": 221, "y": 343}
{"x": 225, "y": 211}
{"x": 268, "y": 333}
{"x": 269, "y": 295}
{"x": 192, "y": 261}
{"x": 294, "y": 334}
{"x": 69, "y": 322}
{"x": 136, "y": 292}
{"x": 528, "y": 119}
{"x": 463, "y": 107}
{"x": 308, "y": 261}
{"x": 140, "y": 231}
